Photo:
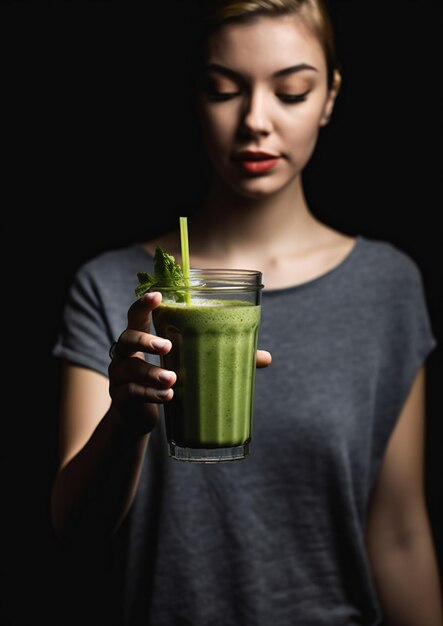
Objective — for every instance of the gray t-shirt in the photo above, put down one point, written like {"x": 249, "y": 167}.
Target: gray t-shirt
{"x": 277, "y": 538}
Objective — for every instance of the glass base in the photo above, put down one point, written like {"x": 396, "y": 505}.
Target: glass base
{"x": 209, "y": 455}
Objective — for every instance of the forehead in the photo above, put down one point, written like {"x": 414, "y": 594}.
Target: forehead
{"x": 265, "y": 45}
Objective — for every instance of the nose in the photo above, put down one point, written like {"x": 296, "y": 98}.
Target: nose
{"x": 256, "y": 119}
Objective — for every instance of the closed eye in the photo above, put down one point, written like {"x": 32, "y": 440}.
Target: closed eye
{"x": 215, "y": 96}
{"x": 292, "y": 98}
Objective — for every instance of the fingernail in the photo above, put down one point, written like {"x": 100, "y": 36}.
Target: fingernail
{"x": 159, "y": 344}
{"x": 149, "y": 295}
{"x": 165, "y": 376}
{"x": 164, "y": 393}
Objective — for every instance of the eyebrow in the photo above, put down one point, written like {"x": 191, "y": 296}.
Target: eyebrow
{"x": 293, "y": 69}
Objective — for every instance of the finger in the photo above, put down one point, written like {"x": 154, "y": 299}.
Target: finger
{"x": 128, "y": 393}
{"x": 133, "y": 341}
{"x": 264, "y": 358}
{"x": 143, "y": 373}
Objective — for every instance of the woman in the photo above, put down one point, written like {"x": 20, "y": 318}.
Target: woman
{"x": 325, "y": 522}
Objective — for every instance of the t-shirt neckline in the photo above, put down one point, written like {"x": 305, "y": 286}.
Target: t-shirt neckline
{"x": 306, "y": 284}
{"x": 321, "y": 277}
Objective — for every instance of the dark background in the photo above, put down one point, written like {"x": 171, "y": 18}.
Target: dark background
{"x": 97, "y": 151}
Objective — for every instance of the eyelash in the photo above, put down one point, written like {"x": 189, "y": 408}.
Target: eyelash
{"x": 287, "y": 99}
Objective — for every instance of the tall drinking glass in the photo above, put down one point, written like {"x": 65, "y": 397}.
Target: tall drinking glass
{"x": 213, "y": 325}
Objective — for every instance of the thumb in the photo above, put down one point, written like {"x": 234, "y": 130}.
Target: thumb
{"x": 139, "y": 313}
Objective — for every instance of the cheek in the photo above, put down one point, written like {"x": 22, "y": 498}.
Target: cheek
{"x": 218, "y": 127}
{"x": 218, "y": 124}
{"x": 301, "y": 129}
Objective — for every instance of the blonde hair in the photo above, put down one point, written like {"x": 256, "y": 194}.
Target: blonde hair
{"x": 313, "y": 13}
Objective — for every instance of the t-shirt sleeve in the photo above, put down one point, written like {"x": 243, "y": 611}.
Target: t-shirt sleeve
{"x": 411, "y": 327}
{"x": 406, "y": 341}
{"x": 85, "y": 335}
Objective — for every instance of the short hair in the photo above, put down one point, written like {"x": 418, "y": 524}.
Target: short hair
{"x": 313, "y": 13}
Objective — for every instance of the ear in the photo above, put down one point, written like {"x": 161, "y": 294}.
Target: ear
{"x": 333, "y": 93}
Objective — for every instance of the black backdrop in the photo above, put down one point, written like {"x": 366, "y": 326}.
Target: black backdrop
{"x": 94, "y": 130}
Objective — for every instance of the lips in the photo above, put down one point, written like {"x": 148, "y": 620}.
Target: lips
{"x": 253, "y": 155}
{"x": 256, "y": 162}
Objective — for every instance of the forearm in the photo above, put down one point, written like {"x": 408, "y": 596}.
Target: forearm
{"x": 93, "y": 492}
{"x": 407, "y": 578}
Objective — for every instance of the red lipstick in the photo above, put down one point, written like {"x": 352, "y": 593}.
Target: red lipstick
{"x": 256, "y": 162}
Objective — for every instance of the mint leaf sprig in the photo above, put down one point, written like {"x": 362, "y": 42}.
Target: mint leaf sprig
{"x": 167, "y": 273}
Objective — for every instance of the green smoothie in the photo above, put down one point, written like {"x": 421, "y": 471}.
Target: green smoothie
{"x": 213, "y": 353}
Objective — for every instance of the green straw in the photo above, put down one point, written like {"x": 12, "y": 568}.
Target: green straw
{"x": 184, "y": 241}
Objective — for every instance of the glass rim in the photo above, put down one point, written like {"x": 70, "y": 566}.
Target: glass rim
{"x": 218, "y": 279}
{"x": 225, "y": 271}
{"x": 206, "y": 288}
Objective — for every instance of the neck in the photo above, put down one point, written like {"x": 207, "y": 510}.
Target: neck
{"x": 277, "y": 235}
{"x": 230, "y": 225}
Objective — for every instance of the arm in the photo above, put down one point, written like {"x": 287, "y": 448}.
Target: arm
{"x": 104, "y": 431}
{"x": 399, "y": 538}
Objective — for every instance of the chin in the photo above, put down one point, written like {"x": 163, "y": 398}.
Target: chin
{"x": 254, "y": 194}
{"x": 257, "y": 188}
